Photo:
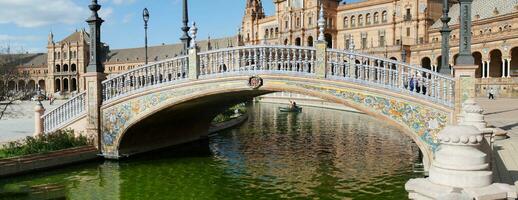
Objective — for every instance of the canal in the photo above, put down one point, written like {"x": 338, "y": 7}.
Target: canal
{"x": 316, "y": 154}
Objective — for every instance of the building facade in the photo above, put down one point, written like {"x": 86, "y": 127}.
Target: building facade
{"x": 385, "y": 28}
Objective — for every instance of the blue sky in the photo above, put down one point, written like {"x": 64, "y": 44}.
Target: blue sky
{"x": 25, "y": 24}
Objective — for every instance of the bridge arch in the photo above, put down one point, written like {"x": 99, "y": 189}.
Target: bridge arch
{"x": 417, "y": 120}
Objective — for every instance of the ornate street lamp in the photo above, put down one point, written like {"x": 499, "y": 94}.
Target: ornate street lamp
{"x": 145, "y": 16}
{"x": 445, "y": 33}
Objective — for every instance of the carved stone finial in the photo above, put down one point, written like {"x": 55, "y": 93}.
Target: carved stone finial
{"x": 194, "y": 32}
{"x": 321, "y": 23}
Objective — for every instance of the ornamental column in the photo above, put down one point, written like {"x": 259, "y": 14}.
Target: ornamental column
{"x": 321, "y": 46}
{"x": 509, "y": 68}
{"x": 465, "y": 68}
{"x": 94, "y": 75}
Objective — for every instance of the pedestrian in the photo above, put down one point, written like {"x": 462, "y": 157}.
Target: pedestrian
{"x": 491, "y": 94}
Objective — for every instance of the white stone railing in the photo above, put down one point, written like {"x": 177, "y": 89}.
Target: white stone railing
{"x": 65, "y": 113}
{"x": 258, "y": 58}
{"x": 289, "y": 60}
{"x": 162, "y": 72}
{"x": 390, "y": 74}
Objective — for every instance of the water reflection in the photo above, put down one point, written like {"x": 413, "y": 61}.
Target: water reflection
{"x": 318, "y": 153}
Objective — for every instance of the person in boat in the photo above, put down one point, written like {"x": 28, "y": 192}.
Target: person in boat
{"x": 293, "y": 105}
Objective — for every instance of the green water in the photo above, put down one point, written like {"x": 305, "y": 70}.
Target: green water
{"x": 317, "y": 154}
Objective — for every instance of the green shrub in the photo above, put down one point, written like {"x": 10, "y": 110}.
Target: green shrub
{"x": 58, "y": 140}
{"x": 230, "y": 113}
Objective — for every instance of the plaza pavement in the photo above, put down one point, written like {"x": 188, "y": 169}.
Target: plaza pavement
{"x": 503, "y": 113}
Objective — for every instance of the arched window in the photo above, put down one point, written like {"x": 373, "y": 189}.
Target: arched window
{"x": 353, "y": 21}
{"x": 376, "y": 17}
{"x": 266, "y": 33}
{"x": 298, "y": 22}
{"x": 277, "y": 31}
{"x": 360, "y": 20}
{"x": 73, "y": 67}
{"x": 58, "y": 68}
{"x": 384, "y": 16}
{"x": 346, "y": 22}
{"x": 271, "y": 33}
{"x": 65, "y": 68}
{"x": 368, "y": 19}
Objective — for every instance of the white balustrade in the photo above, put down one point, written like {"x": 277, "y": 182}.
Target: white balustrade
{"x": 290, "y": 60}
{"x": 390, "y": 74}
{"x": 154, "y": 74}
{"x": 60, "y": 116}
{"x": 274, "y": 59}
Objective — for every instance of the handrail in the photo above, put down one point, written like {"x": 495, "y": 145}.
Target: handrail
{"x": 64, "y": 113}
{"x": 290, "y": 60}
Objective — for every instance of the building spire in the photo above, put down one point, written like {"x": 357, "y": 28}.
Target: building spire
{"x": 186, "y": 39}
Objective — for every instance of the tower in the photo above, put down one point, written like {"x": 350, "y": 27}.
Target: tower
{"x": 253, "y": 13}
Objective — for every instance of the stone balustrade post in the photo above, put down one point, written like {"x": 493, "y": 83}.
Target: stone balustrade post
{"x": 460, "y": 170}
{"x": 321, "y": 59}
{"x": 39, "y": 110}
{"x": 194, "y": 64}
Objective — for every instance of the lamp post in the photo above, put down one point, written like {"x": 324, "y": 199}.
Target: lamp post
{"x": 445, "y": 33}
{"x": 145, "y": 16}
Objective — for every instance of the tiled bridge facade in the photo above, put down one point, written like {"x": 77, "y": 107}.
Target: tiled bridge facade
{"x": 418, "y": 101}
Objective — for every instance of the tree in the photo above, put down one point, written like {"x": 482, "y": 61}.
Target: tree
{"x": 10, "y": 73}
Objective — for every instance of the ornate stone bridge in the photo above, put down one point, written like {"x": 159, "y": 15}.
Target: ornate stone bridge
{"x": 173, "y": 101}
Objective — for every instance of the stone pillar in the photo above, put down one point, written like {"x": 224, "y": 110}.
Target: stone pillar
{"x": 321, "y": 59}
{"x": 504, "y": 61}
{"x": 508, "y": 68}
{"x": 94, "y": 102}
{"x": 459, "y": 170}
{"x": 38, "y": 121}
{"x": 194, "y": 66}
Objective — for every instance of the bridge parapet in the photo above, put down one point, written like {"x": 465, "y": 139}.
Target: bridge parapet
{"x": 390, "y": 74}
{"x": 60, "y": 116}
{"x": 167, "y": 71}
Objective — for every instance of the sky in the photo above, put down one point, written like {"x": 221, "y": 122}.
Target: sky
{"x": 26, "y": 24}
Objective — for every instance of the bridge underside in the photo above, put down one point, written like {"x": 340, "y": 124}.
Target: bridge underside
{"x": 172, "y": 114}
{"x": 185, "y": 122}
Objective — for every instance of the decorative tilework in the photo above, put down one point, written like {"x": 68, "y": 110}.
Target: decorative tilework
{"x": 116, "y": 118}
{"x": 423, "y": 120}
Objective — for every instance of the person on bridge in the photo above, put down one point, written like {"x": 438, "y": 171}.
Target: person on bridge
{"x": 491, "y": 94}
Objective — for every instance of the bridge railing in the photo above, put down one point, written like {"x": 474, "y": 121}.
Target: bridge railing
{"x": 162, "y": 72}
{"x": 63, "y": 114}
{"x": 258, "y": 58}
{"x": 391, "y": 74}
{"x": 299, "y": 61}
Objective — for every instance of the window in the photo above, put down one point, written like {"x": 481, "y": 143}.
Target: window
{"x": 407, "y": 32}
{"x": 384, "y": 16}
{"x": 298, "y": 22}
{"x": 382, "y": 41}
{"x": 360, "y": 20}
{"x": 346, "y": 22}
{"x": 266, "y": 33}
{"x": 364, "y": 43}
{"x": 408, "y": 16}
{"x": 398, "y": 42}
{"x": 347, "y": 44}
{"x": 353, "y": 21}
{"x": 368, "y": 19}
{"x": 286, "y": 24}
{"x": 310, "y": 21}
{"x": 376, "y": 17}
